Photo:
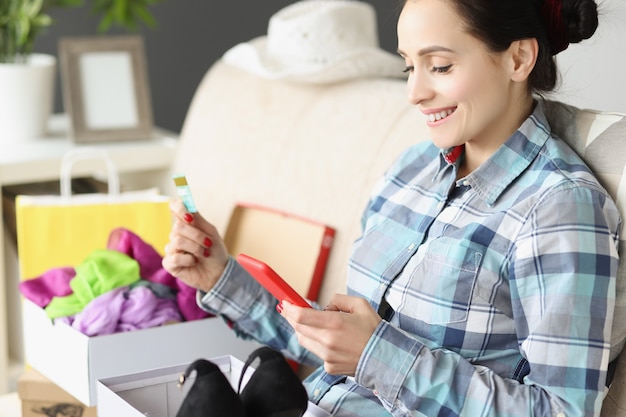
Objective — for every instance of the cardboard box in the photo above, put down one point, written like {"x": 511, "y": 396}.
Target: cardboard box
{"x": 40, "y": 396}
{"x": 75, "y": 361}
{"x": 295, "y": 247}
{"x": 156, "y": 394}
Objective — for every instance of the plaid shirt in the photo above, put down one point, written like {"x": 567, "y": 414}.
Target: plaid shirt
{"x": 497, "y": 290}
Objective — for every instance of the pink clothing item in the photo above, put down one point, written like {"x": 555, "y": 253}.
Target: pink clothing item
{"x": 52, "y": 283}
{"x": 150, "y": 269}
{"x": 123, "y": 309}
{"x": 127, "y": 242}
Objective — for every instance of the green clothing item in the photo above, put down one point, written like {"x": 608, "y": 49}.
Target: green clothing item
{"x": 102, "y": 271}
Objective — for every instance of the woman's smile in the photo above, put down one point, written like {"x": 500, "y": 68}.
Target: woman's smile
{"x": 436, "y": 116}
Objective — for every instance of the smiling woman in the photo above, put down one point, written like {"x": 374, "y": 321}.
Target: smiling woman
{"x": 452, "y": 72}
{"x": 483, "y": 282}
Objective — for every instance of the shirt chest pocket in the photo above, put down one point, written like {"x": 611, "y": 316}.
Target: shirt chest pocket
{"x": 442, "y": 282}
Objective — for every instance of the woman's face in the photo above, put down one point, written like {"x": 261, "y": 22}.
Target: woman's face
{"x": 465, "y": 91}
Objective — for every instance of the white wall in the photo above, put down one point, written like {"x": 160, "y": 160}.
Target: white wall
{"x": 594, "y": 71}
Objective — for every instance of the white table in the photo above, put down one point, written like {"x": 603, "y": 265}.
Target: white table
{"x": 39, "y": 160}
{"x": 10, "y": 405}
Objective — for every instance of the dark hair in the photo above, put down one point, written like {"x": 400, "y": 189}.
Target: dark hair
{"x": 500, "y": 22}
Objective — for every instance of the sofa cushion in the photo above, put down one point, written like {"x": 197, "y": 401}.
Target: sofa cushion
{"x": 598, "y": 137}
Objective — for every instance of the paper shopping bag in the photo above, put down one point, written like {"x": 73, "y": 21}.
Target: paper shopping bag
{"x": 61, "y": 230}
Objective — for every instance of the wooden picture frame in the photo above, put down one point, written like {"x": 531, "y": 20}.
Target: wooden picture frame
{"x": 105, "y": 88}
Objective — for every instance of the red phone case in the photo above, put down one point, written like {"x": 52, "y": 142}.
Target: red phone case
{"x": 272, "y": 282}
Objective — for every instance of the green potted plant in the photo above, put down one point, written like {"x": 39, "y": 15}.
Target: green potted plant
{"x": 25, "y": 74}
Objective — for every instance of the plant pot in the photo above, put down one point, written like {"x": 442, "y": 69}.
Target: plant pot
{"x": 27, "y": 91}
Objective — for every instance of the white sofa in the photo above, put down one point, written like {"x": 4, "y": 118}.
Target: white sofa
{"x": 316, "y": 150}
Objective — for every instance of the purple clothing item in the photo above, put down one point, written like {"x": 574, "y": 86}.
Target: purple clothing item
{"x": 135, "y": 317}
{"x": 123, "y": 309}
{"x": 101, "y": 315}
{"x": 52, "y": 283}
{"x": 150, "y": 269}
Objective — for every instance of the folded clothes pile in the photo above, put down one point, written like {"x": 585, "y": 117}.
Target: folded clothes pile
{"x": 121, "y": 288}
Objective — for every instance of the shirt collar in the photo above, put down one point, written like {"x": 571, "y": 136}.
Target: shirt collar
{"x": 493, "y": 177}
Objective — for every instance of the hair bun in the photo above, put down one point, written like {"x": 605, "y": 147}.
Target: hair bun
{"x": 568, "y": 21}
{"x": 580, "y": 18}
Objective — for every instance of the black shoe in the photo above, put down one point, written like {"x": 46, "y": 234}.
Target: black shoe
{"x": 274, "y": 389}
{"x": 211, "y": 395}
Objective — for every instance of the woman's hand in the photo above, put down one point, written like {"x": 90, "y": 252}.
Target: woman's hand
{"x": 196, "y": 253}
{"x": 338, "y": 335}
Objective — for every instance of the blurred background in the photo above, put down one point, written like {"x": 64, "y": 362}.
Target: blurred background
{"x": 192, "y": 34}
{"x": 189, "y": 37}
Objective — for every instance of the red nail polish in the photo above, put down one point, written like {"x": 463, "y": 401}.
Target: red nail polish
{"x": 188, "y": 217}
{"x": 206, "y": 252}
{"x": 279, "y": 307}
{"x": 208, "y": 242}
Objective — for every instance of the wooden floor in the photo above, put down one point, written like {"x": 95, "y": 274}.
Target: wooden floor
{"x": 10, "y": 405}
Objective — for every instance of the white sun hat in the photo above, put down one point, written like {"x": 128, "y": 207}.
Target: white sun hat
{"x": 318, "y": 42}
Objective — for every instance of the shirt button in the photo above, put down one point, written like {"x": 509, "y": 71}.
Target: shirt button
{"x": 317, "y": 392}
{"x": 560, "y": 415}
{"x": 466, "y": 183}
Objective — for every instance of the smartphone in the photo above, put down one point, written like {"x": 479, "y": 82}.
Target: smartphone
{"x": 271, "y": 281}
{"x": 184, "y": 192}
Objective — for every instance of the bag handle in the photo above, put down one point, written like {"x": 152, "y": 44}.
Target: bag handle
{"x": 78, "y": 154}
